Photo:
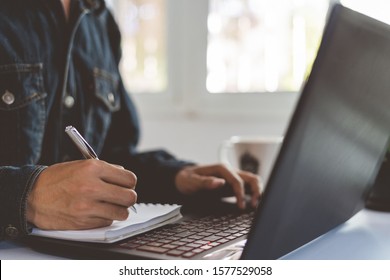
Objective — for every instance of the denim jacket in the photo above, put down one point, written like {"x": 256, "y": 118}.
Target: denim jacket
{"x": 55, "y": 73}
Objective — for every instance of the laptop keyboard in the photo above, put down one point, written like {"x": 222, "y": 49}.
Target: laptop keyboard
{"x": 189, "y": 238}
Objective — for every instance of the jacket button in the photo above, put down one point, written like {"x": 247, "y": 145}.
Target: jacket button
{"x": 69, "y": 101}
{"x": 111, "y": 98}
{"x": 11, "y": 231}
{"x": 8, "y": 97}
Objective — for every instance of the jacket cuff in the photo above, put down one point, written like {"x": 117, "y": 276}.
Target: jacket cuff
{"x": 15, "y": 186}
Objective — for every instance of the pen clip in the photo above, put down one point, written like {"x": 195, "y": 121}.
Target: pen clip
{"x": 81, "y": 143}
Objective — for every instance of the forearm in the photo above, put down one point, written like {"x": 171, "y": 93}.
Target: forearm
{"x": 15, "y": 185}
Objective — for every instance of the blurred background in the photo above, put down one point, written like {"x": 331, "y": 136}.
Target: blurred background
{"x": 202, "y": 71}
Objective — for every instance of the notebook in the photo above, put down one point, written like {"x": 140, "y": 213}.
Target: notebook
{"x": 148, "y": 217}
{"x": 330, "y": 155}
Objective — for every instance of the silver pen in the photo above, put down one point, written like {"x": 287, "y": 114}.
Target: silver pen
{"x": 85, "y": 149}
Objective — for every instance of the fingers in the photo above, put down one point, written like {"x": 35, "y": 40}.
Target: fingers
{"x": 110, "y": 212}
{"x": 236, "y": 182}
{"x": 232, "y": 178}
{"x": 110, "y": 173}
{"x": 115, "y": 195}
{"x": 114, "y": 185}
{"x": 90, "y": 213}
{"x": 254, "y": 183}
{"x": 98, "y": 215}
{"x": 214, "y": 176}
{"x": 105, "y": 182}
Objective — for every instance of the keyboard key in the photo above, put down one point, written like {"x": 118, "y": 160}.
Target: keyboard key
{"x": 155, "y": 244}
{"x": 212, "y": 238}
{"x": 193, "y": 245}
{"x": 153, "y": 249}
{"x": 184, "y": 248}
{"x": 202, "y": 242}
{"x": 184, "y": 234}
{"x": 169, "y": 246}
{"x": 178, "y": 243}
{"x": 175, "y": 253}
{"x": 189, "y": 254}
{"x": 197, "y": 250}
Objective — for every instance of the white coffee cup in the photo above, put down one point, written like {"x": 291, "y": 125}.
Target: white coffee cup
{"x": 256, "y": 154}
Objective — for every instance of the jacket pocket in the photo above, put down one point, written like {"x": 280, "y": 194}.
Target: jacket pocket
{"x": 106, "y": 101}
{"x": 106, "y": 87}
{"x": 22, "y": 113}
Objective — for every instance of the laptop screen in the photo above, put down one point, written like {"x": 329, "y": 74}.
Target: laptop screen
{"x": 335, "y": 140}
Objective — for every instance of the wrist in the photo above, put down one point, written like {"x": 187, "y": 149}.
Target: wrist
{"x": 30, "y": 210}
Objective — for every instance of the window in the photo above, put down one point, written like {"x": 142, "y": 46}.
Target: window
{"x": 142, "y": 24}
{"x": 262, "y": 46}
{"x": 241, "y": 57}
{"x": 253, "y": 46}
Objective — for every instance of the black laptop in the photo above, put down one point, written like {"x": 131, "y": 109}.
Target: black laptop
{"x": 331, "y": 153}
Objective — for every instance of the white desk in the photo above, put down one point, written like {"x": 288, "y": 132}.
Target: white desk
{"x": 365, "y": 236}
{"x": 14, "y": 251}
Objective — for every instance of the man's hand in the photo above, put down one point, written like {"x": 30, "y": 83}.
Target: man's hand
{"x": 208, "y": 177}
{"x": 80, "y": 195}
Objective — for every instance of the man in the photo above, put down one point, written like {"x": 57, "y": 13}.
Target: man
{"x": 58, "y": 67}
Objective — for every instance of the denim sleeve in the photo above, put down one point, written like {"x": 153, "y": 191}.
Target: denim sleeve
{"x": 15, "y": 185}
{"x": 156, "y": 171}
